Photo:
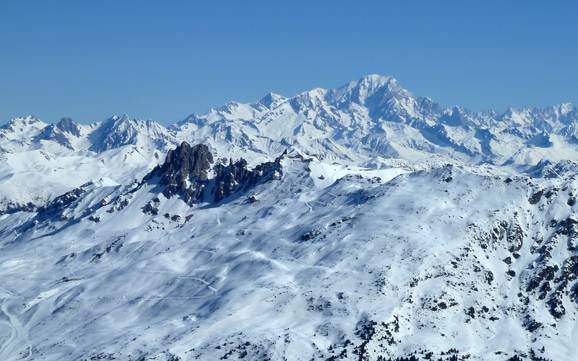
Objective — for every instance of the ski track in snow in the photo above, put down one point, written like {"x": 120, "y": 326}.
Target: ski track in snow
{"x": 18, "y": 339}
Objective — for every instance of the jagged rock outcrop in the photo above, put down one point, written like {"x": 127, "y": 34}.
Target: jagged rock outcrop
{"x": 185, "y": 173}
{"x": 236, "y": 176}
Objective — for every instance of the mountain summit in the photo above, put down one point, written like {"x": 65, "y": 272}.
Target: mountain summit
{"x": 357, "y": 223}
{"x": 372, "y": 120}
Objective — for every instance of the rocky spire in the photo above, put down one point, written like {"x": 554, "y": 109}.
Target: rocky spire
{"x": 186, "y": 168}
{"x": 185, "y": 171}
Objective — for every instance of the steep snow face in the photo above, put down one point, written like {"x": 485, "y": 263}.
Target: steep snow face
{"x": 445, "y": 264}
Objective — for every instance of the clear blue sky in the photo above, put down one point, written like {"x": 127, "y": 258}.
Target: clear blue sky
{"x": 163, "y": 60}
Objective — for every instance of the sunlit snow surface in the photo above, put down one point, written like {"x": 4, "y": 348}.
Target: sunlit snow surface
{"x": 292, "y": 276}
{"x": 398, "y": 229}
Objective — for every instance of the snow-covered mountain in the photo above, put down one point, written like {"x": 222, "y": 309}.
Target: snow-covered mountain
{"x": 39, "y": 161}
{"x": 369, "y": 122}
{"x": 356, "y": 223}
{"x": 375, "y": 118}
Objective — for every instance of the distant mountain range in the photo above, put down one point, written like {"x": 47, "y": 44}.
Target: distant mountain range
{"x": 374, "y": 116}
{"x": 356, "y": 223}
{"x": 370, "y": 121}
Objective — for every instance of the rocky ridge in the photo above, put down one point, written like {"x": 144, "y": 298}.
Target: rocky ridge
{"x": 186, "y": 173}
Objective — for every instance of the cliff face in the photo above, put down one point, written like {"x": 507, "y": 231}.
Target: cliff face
{"x": 184, "y": 172}
{"x": 186, "y": 169}
{"x": 236, "y": 176}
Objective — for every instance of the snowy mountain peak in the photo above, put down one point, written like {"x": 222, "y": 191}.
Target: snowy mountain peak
{"x": 314, "y": 95}
{"x": 373, "y": 82}
{"x": 121, "y": 117}
{"x": 69, "y": 126}
{"x": 272, "y": 100}
{"x": 20, "y": 132}
{"x": 65, "y": 132}
{"x": 372, "y": 120}
{"x": 123, "y": 130}
{"x": 368, "y": 86}
{"x": 20, "y": 124}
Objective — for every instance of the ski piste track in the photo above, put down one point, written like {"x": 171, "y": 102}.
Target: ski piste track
{"x": 16, "y": 346}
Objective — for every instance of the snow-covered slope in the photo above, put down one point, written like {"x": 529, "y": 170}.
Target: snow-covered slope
{"x": 440, "y": 263}
{"x": 362, "y": 223}
{"x": 40, "y": 161}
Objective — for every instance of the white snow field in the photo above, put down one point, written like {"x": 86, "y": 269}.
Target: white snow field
{"x": 366, "y": 224}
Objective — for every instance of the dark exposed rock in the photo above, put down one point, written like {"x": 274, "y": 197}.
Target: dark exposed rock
{"x": 511, "y": 232}
{"x": 535, "y": 198}
{"x": 184, "y": 172}
{"x": 546, "y": 274}
{"x": 310, "y": 235}
{"x": 515, "y": 237}
{"x": 237, "y": 177}
{"x": 569, "y": 271}
{"x": 365, "y": 330}
{"x": 567, "y": 227}
{"x": 152, "y": 207}
{"x": 555, "y": 306}
{"x": 12, "y": 207}
{"x": 55, "y": 209}
{"x": 531, "y": 324}
{"x": 251, "y": 199}
{"x": 554, "y": 282}
{"x": 551, "y": 192}
{"x": 489, "y": 277}
{"x": 186, "y": 169}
